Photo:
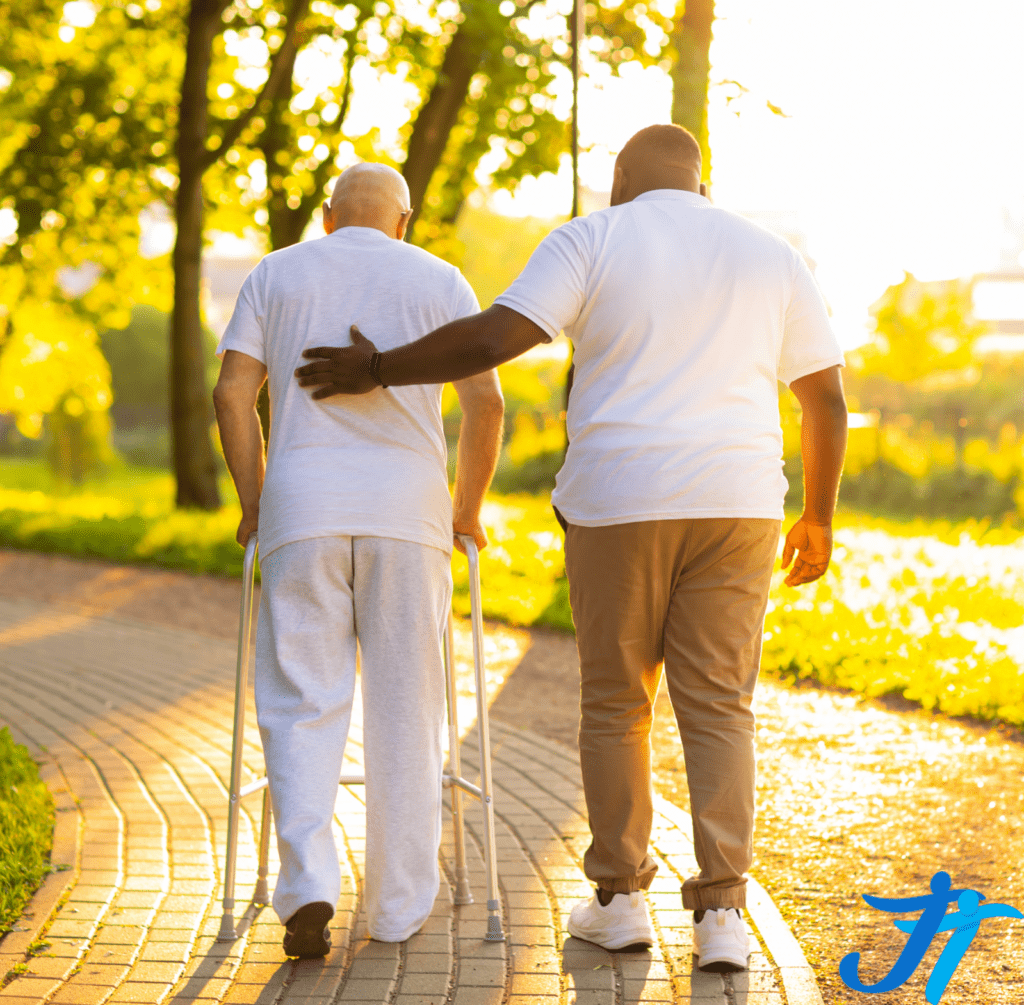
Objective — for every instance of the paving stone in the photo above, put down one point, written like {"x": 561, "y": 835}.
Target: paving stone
{"x": 93, "y": 894}
{"x": 370, "y": 969}
{"x": 30, "y": 987}
{"x": 365, "y": 990}
{"x": 425, "y": 984}
{"x": 259, "y": 973}
{"x": 136, "y": 991}
{"x": 79, "y": 994}
{"x": 165, "y": 952}
{"x": 151, "y": 970}
{"x": 475, "y": 973}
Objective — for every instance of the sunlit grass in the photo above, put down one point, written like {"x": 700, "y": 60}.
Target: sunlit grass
{"x": 911, "y": 613}
{"x": 26, "y": 829}
{"x": 932, "y": 610}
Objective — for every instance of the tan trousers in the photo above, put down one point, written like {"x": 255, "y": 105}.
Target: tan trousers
{"x": 689, "y": 594}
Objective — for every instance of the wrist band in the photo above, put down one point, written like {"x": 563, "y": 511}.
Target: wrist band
{"x": 374, "y": 368}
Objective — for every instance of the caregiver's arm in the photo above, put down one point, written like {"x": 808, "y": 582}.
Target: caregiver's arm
{"x": 461, "y": 349}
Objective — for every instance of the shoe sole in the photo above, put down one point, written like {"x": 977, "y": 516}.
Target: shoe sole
{"x": 723, "y": 965}
{"x": 306, "y": 940}
{"x": 630, "y": 947}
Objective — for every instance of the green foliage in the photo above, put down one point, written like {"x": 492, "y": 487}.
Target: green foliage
{"x": 925, "y": 609}
{"x": 138, "y": 359}
{"x": 909, "y": 615}
{"x": 26, "y": 829}
{"x": 496, "y": 248}
{"x": 921, "y": 328}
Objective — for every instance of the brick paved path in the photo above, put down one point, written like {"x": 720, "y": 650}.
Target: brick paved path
{"x": 133, "y": 724}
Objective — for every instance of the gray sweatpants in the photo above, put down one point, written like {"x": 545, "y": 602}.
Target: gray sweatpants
{"x": 319, "y": 596}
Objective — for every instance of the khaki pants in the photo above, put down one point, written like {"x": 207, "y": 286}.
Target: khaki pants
{"x": 689, "y": 594}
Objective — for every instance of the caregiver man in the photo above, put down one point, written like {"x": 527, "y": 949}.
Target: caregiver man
{"x": 355, "y": 528}
{"x": 683, "y": 317}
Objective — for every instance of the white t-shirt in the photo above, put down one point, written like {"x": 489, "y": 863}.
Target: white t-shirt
{"x": 367, "y": 465}
{"x": 683, "y": 317}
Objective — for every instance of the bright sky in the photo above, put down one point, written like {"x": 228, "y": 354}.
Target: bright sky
{"x": 904, "y": 142}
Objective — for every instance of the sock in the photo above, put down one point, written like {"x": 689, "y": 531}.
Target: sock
{"x": 698, "y": 916}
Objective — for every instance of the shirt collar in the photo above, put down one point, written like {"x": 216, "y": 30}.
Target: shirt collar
{"x": 677, "y": 194}
{"x": 361, "y": 233}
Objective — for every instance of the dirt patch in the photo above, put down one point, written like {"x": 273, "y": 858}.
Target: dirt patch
{"x": 854, "y": 796}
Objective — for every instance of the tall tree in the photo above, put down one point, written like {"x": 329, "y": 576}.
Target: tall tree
{"x": 691, "y": 39}
{"x": 200, "y": 145}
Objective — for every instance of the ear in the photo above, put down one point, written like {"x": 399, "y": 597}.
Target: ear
{"x": 328, "y": 219}
{"x": 403, "y": 225}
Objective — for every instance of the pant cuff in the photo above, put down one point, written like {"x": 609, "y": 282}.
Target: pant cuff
{"x": 629, "y": 885}
{"x": 697, "y": 898}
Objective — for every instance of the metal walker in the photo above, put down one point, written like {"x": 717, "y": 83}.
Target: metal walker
{"x": 452, "y": 779}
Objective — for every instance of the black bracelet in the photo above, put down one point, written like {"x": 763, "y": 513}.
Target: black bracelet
{"x": 375, "y": 369}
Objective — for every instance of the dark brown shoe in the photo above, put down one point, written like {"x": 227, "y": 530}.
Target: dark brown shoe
{"x": 306, "y": 933}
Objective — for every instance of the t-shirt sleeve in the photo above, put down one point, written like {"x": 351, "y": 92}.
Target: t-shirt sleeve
{"x": 808, "y": 342}
{"x": 552, "y": 289}
{"x": 244, "y": 332}
{"x": 465, "y": 302}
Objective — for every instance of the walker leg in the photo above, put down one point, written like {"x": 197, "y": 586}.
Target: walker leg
{"x": 227, "y": 921}
{"x": 494, "y": 931}
{"x": 261, "y": 895}
{"x": 463, "y": 894}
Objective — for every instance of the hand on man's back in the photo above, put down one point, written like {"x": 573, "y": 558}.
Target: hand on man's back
{"x": 339, "y": 369}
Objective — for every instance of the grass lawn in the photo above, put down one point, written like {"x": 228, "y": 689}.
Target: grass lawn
{"x": 932, "y": 610}
{"x": 26, "y": 829}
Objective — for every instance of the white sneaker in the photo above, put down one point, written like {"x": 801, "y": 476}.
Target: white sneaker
{"x": 624, "y": 926}
{"x": 721, "y": 942}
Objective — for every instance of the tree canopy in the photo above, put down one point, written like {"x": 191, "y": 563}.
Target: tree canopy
{"x": 91, "y": 95}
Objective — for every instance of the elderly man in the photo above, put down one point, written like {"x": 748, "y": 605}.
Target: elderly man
{"x": 683, "y": 317}
{"x": 355, "y": 524}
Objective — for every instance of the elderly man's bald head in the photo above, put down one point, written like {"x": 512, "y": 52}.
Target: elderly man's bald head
{"x": 369, "y": 195}
{"x": 662, "y": 156}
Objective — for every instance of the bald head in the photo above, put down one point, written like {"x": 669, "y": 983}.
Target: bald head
{"x": 369, "y": 195}
{"x": 663, "y": 156}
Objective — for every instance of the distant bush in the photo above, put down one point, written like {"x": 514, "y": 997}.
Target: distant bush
{"x": 139, "y": 361}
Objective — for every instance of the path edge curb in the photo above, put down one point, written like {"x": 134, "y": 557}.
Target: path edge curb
{"x": 39, "y": 912}
{"x": 798, "y": 980}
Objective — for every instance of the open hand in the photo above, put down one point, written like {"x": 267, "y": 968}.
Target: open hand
{"x": 812, "y": 545}
{"x": 339, "y": 370}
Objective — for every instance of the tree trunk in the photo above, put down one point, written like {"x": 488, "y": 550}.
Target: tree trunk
{"x": 438, "y": 116}
{"x": 692, "y": 40}
{"x": 195, "y": 463}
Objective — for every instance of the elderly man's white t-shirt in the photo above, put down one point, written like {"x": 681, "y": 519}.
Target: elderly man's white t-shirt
{"x": 683, "y": 318}
{"x": 367, "y": 465}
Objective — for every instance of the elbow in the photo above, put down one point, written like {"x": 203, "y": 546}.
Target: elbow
{"x": 221, "y": 400}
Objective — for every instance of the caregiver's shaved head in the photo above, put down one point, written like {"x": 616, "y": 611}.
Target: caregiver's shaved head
{"x": 663, "y": 156}
{"x": 369, "y": 195}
